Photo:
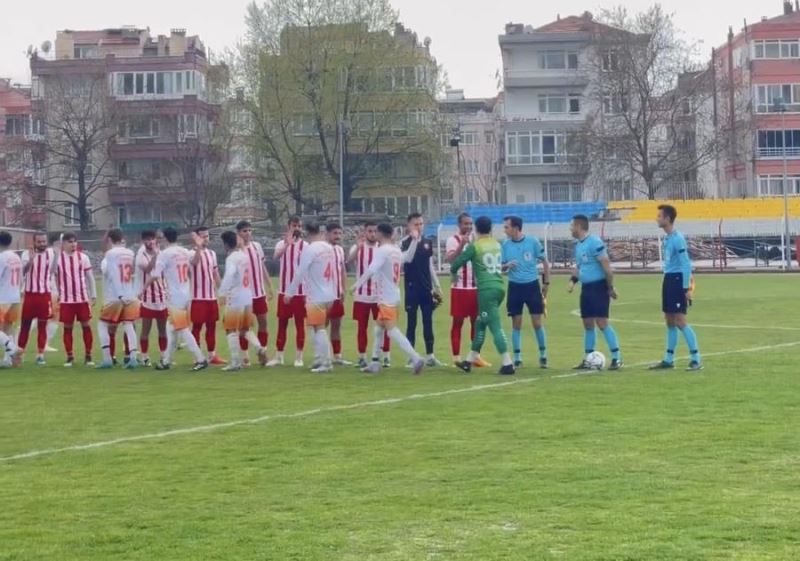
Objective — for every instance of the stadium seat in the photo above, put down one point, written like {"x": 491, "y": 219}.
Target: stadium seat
{"x": 716, "y": 209}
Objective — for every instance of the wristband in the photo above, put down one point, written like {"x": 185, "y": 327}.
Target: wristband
{"x": 573, "y": 279}
{"x": 546, "y": 283}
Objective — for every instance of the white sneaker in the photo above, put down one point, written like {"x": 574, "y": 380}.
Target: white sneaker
{"x": 373, "y": 367}
{"x": 322, "y": 368}
{"x": 49, "y": 349}
{"x": 277, "y": 361}
{"x": 342, "y": 362}
{"x": 262, "y": 356}
{"x": 410, "y": 364}
{"x": 298, "y": 363}
{"x": 232, "y": 368}
{"x": 432, "y": 362}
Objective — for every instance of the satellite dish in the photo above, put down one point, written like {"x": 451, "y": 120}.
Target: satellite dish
{"x": 46, "y": 46}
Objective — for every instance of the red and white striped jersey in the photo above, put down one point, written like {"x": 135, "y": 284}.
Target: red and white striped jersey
{"x": 255, "y": 254}
{"x": 71, "y": 278}
{"x": 365, "y": 253}
{"x": 204, "y": 287}
{"x": 289, "y": 263}
{"x": 154, "y": 297}
{"x": 37, "y": 280}
{"x": 466, "y": 277}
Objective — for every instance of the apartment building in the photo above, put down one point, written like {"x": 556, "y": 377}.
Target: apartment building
{"x": 21, "y": 171}
{"x": 152, "y": 102}
{"x": 469, "y": 137}
{"x": 546, "y": 77}
{"x": 759, "y": 98}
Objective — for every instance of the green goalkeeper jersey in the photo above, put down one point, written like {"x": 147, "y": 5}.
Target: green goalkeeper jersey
{"x": 486, "y": 257}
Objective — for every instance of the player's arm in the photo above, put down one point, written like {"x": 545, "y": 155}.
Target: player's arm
{"x": 506, "y": 264}
{"x": 90, "y": 282}
{"x": 411, "y": 251}
{"x": 573, "y": 279}
{"x": 463, "y": 258}
{"x": 299, "y": 274}
{"x": 343, "y": 276}
{"x": 437, "y": 287}
{"x": 157, "y": 271}
{"x": 545, "y": 273}
{"x": 27, "y": 262}
{"x": 377, "y": 262}
{"x": 282, "y": 246}
{"x": 682, "y": 250}
{"x": 605, "y": 262}
{"x": 228, "y": 280}
{"x": 352, "y": 254}
{"x": 454, "y": 248}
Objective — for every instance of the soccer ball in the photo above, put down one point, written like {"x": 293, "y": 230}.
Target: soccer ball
{"x": 596, "y": 360}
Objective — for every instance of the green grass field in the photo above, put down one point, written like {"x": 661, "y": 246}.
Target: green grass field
{"x": 446, "y": 466}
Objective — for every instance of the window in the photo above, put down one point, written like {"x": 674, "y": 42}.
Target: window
{"x": 619, "y": 190}
{"x": 561, "y": 192}
{"x": 187, "y": 126}
{"x": 559, "y": 104}
{"x": 140, "y": 127}
{"x": 610, "y": 61}
{"x": 778, "y": 143}
{"x": 615, "y": 104}
{"x": 777, "y": 49}
{"x": 768, "y": 97}
{"x": 18, "y": 125}
{"x": 72, "y": 215}
{"x": 469, "y": 139}
{"x": 143, "y": 170}
{"x": 472, "y": 167}
{"x": 558, "y": 60}
{"x": 772, "y": 185}
{"x": 535, "y": 148}
{"x": 167, "y": 84}
{"x": 89, "y": 172}
{"x": 488, "y": 137}
{"x": 85, "y": 51}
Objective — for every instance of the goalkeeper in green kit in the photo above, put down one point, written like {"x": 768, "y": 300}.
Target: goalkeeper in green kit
{"x": 486, "y": 257}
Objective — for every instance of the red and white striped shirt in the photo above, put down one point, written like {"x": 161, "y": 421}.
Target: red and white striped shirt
{"x": 289, "y": 262}
{"x": 37, "y": 280}
{"x": 338, "y": 253}
{"x": 204, "y": 287}
{"x": 71, "y": 278}
{"x": 255, "y": 254}
{"x": 466, "y": 277}
{"x": 368, "y": 292}
{"x": 154, "y": 297}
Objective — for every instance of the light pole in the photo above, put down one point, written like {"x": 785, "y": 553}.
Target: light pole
{"x": 342, "y": 126}
{"x": 780, "y": 105}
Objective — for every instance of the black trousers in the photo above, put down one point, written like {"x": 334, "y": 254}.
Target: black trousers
{"x": 423, "y": 303}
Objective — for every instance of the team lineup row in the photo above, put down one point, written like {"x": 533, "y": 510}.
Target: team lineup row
{"x": 178, "y": 290}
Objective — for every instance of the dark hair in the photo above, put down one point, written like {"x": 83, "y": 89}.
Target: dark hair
{"x": 514, "y": 221}
{"x": 294, "y": 219}
{"x": 201, "y": 229}
{"x": 369, "y": 223}
{"x": 331, "y": 226}
{"x": 148, "y": 234}
{"x": 483, "y": 225}
{"x": 115, "y": 235}
{"x": 229, "y": 239}
{"x": 170, "y": 234}
{"x": 5, "y": 238}
{"x": 462, "y": 216}
{"x": 40, "y": 233}
{"x": 413, "y": 216}
{"x": 581, "y": 220}
{"x": 69, "y": 237}
{"x": 54, "y": 237}
{"x": 670, "y": 212}
{"x": 386, "y": 229}
{"x": 312, "y": 228}
{"x": 242, "y": 225}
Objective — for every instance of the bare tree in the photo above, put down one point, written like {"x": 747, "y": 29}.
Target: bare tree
{"x": 80, "y": 122}
{"x": 648, "y": 96}
{"x": 317, "y": 73}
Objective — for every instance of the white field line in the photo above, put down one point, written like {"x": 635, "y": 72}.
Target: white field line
{"x": 333, "y": 409}
{"x": 577, "y": 313}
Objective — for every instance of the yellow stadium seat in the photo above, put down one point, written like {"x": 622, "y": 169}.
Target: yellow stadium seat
{"x": 645, "y": 211}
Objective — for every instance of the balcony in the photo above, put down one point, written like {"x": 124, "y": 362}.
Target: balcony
{"x": 566, "y": 78}
{"x": 773, "y": 153}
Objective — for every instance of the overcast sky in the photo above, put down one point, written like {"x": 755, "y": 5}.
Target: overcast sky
{"x": 464, "y": 32}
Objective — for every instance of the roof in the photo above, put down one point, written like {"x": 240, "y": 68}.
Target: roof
{"x": 575, "y": 24}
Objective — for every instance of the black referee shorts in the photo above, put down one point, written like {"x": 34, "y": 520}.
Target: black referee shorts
{"x": 595, "y": 301}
